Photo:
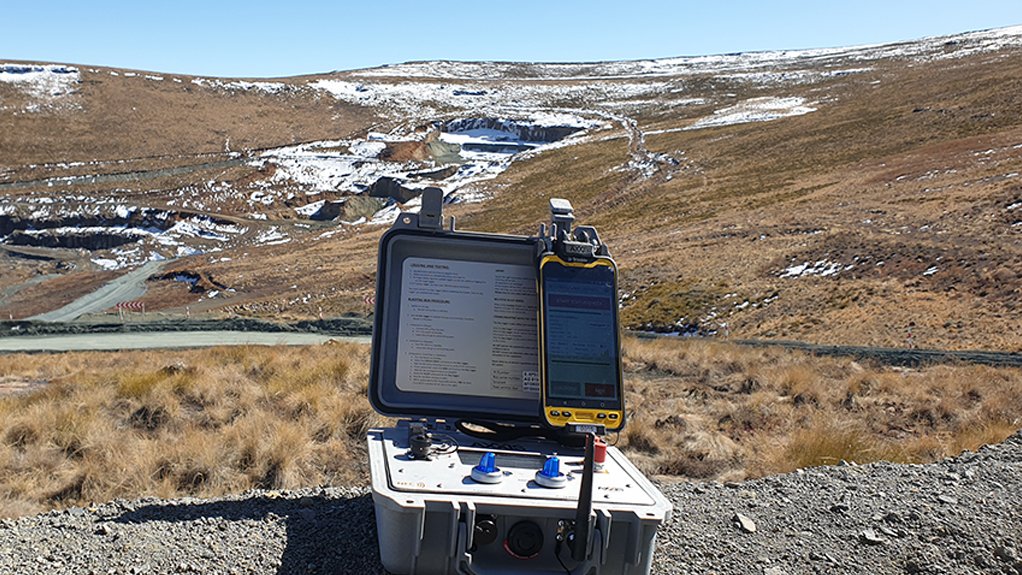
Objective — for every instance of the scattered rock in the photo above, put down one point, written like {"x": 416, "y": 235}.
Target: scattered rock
{"x": 673, "y": 421}
{"x": 348, "y": 209}
{"x": 389, "y": 187}
{"x": 1005, "y": 554}
{"x": 888, "y": 531}
{"x": 913, "y": 566}
{"x": 892, "y": 517}
{"x": 744, "y": 522}
{"x": 870, "y": 537}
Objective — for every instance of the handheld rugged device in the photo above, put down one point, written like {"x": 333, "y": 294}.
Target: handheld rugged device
{"x": 471, "y": 479}
{"x": 579, "y": 342}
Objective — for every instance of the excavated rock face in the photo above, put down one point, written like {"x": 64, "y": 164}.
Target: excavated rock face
{"x": 25, "y": 230}
{"x": 88, "y": 240}
{"x": 158, "y": 219}
{"x": 388, "y": 187}
{"x": 98, "y": 230}
{"x": 523, "y": 131}
{"x": 348, "y": 209}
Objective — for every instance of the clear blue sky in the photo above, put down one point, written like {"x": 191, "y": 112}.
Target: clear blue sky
{"x": 283, "y": 38}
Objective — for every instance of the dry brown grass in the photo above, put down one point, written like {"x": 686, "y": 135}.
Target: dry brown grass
{"x": 713, "y": 410}
{"x": 223, "y": 420}
{"x": 167, "y": 424}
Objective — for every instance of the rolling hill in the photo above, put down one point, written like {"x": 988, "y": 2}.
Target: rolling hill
{"x": 866, "y": 195}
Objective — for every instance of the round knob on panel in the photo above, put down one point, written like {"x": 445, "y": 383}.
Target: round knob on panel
{"x": 487, "y": 470}
{"x": 551, "y": 476}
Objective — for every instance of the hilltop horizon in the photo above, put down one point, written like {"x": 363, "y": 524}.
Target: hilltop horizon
{"x": 788, "y": 51}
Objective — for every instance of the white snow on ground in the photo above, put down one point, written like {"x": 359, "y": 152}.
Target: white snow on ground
{"x": 423, "y": 99}
{"x": 74, "y": 230}
{"x": 47, "y": 84}
{"x": 367, "y": 149}
{"x": 822, "y": 268}
{"x": 202, "y": 228}
{"x": 319, "y": 167}
{"x": 477, "y": 90}
{"x": 389, "y": 214}
{"x": 187, "y": 236}
{"x": 272, "y": 237}
{"x": 239, "y": 85}
{"x": 478, "y": 135}
{"x": 353, "y": 166}
{"x": 107, "y": 264}
{"x": 309, "y": 209}
{"x": 754, "y": 110}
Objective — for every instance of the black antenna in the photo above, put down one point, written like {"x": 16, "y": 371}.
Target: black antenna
{"x": 431, "y": 215}
{"x": 583, "y": 516}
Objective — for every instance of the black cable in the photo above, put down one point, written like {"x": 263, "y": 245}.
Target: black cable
{"x": 617, "y": 436}
{"x": 557, "y": 554}
{"x": 447, "y": 444}
{"x": 498, "y": 431}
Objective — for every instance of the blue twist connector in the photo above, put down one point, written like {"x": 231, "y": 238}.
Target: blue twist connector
{"x": 550, "y": 476}
{"x": 552, "y": 467}
{"x": 487, "y": 463}
{"x": 487, "y": 470}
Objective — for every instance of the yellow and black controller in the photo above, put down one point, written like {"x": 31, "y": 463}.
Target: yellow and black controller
{"x": 599, "y": 401}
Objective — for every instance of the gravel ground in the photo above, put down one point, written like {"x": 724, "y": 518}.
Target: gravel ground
{"x": 962, "y": 515}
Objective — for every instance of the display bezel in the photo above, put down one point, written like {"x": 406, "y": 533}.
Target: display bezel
{"x": 547, "y": 264}
{"x": 396, "y": 246}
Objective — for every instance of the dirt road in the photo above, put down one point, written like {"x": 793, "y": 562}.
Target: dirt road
{"x": 127, "y": 287}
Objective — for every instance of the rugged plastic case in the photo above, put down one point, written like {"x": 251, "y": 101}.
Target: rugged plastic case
{"x": 427, "y": 511}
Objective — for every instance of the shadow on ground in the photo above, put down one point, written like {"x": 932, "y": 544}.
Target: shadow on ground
{"x": 323, "y": 534}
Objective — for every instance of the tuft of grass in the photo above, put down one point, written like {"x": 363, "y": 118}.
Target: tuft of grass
{"x": 828, "y": 442}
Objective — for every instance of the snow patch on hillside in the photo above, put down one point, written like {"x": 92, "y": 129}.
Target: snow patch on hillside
{"x": 242, "y": 86}
{"x": 754, "y": 110}
{"x": 320, "y": 166}
{"x": 822, "y": 268}
{"x": 425, "y": 100}
{"x": 48, "y": 85}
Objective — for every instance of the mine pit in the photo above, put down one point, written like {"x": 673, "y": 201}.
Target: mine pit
{"x": 87, "y": 239}
{"x": 198, "y": 282}
{"x": 502, "y": 136}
